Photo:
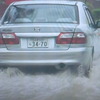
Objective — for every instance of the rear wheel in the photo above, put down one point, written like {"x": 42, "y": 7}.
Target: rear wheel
{"x": 90, "y": 67}
{"x": 85, "y": 70}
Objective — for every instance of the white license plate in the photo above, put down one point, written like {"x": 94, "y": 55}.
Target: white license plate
{"x": 38, "y": 42}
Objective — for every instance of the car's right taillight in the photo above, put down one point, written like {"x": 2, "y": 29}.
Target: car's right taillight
{"x": 71, "y": 38}
{"x": 9, "y": 38}
{"x": 79, "y": 38}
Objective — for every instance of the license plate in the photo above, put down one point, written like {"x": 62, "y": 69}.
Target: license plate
{"x": 38, "y": 43}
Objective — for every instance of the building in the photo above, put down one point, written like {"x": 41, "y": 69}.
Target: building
{"x": 4, "y": 4}
{"x": 10, "y": 1}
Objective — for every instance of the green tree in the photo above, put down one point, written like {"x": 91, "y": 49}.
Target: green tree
{"x": 96, "y": 13}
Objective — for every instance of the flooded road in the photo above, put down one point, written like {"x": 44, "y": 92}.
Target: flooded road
{"x": 17, "y": 85}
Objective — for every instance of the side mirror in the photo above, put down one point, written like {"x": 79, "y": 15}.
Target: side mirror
{"x": 98, "y": 24}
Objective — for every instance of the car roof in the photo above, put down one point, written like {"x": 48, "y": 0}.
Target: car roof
{"x": 45, "y": 2}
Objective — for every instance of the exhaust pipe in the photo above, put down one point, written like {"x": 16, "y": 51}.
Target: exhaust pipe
{"x": 61, "y": 66}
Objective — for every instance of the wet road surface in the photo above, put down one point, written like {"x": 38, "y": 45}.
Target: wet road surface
{"x": 22, "y": 84}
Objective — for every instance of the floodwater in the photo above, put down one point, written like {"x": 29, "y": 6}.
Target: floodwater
{"x": 16, "y": 84}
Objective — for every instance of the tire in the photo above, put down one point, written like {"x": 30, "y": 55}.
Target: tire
{"x": 88, "y": 72}
{"x": 85, "y": 70}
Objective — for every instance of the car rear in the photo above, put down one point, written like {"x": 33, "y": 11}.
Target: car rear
{"x": 45, "y": 34}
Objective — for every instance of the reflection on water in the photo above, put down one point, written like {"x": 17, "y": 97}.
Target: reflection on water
{"x": 17, "y": 85}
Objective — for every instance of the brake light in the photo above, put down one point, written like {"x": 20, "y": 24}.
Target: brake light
{"x": 9, "y": 38}
{"x": 79, "y": 38}
{"x": 73, "y": 38}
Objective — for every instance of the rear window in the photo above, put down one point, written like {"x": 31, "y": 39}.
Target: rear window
{"x": 41, "y": 14}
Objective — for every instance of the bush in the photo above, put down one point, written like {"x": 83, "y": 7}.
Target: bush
{"x": 96, "y": 13}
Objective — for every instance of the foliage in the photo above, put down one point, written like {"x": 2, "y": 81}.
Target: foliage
{"x": 96, "y": 13}
{"x": 90, "y": 5}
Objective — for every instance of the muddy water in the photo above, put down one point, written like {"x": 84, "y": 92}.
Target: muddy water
{"x": 17, "y": 85}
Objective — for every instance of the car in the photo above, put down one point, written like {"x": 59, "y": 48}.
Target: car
{"x": 48, "y": 33}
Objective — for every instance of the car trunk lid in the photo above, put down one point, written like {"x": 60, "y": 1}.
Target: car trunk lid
{"x": 37, "y": 36}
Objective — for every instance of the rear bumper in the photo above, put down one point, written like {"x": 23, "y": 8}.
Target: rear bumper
{"x": 71, "y": 56}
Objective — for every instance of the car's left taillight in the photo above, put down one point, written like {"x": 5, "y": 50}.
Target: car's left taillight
{"x": 9, "y": 38}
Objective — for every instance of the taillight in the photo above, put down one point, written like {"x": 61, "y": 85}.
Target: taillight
{"x": 73, "y": 38}
{"x": 9, "y": 38}
{"x": 79, "y": 38}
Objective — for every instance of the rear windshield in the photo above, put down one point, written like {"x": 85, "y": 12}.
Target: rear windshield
{"x": 41, "y": 14}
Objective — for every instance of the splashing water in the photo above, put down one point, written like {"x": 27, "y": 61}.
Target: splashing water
{"x": 16, "y": 85}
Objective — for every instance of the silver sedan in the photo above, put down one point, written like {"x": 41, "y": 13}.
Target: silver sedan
{"x": 58, "y": 33}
